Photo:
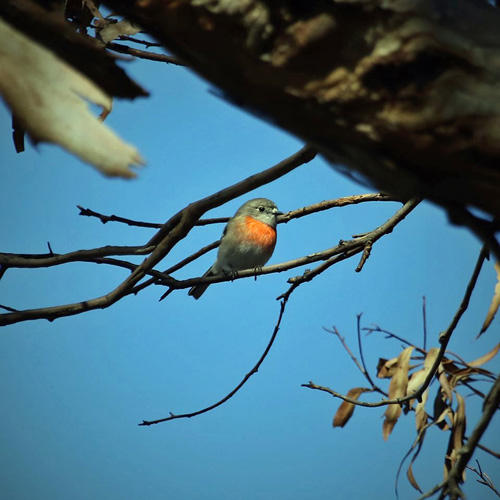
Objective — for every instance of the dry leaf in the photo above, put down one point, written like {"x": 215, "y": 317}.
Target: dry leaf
{"x": 445, "y": 384}
{"x": 487, "y": 357}
{"x": 456, "y": 441}
{"x": 397, "y": 389}
{"x": 495, "y": 303}
{"x": 386, "y": 368}
{"x": 346, "y": 409}
{"x": 115, "y": 30}
{"x": 420, "y": 413}
{"x": 441, "y": 410}
{"x": 50, "y": 100}
{"x": 411, "y": 478}
{"x": 417, "y": 378}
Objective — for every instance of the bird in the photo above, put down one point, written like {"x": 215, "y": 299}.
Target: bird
{"x": 247, "y": 242}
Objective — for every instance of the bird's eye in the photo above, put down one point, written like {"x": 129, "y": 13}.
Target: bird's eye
{"x": 261, "y": 209}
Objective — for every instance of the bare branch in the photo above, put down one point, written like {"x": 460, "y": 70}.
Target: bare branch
{"x": 347, "y": 249}
{"x": 254, "y": 370}
{"x": 147, "y": 43}
{"x": 282, "y": 219}
{"x": 174, "y": 230}
{"x": 144, "y": 54}
{"x": 114, "y": 218}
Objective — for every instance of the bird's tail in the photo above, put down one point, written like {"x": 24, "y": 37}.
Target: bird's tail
{"x": 198, "y": 290}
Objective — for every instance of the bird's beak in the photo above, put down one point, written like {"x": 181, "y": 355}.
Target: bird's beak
{"x": 279, "y": 213}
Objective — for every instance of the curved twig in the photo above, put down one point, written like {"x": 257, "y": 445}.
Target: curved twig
{"x": 254, "y": 370}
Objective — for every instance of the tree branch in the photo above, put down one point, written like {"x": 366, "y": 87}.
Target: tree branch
{"x": 144, "y": 54}
{"x": 174, "y": 230}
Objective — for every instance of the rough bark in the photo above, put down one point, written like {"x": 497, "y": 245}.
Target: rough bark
{"x": 404, "y": 93}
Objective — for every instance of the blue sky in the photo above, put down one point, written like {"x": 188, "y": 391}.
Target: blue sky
{"x": 73, "y": 391}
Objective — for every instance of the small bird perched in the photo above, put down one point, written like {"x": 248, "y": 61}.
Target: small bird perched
{"x": 247, "y": 241}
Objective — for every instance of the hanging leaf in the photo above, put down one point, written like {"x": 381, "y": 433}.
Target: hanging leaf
{"x": 420, "y": 413}
{"x": 456, "y": 440}
{"x": 445, "y": 384}
{"x": 487, "y": 357}
{"x": 495, "y": 303}
{"x": 417, "y": 378}
{"x": 346, "y": 409}
{"x": 111, "y": 31}
{"x": 397, "y": 389}
{"x": 411, "y": 478}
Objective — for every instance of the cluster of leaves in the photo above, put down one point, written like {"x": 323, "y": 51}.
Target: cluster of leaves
{"x": 447, "y": 413}
{"x": 407, "y": 373}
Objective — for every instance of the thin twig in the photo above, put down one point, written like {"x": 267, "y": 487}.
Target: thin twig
{"x": 143, "y": 54}
{"x": 254, "y": 370}
{"x": 376, "y": 328}
{"x": 360, "y": 347}
{"x": 484, "y": 478}
{"x": 114, "y": 218}
{"x": 424, "y": 320}
{"x": 361, "y": 368}
{"x": 147, "y": 43}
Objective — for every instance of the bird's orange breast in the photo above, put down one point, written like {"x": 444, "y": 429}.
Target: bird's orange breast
{"x": 259, "y": 233}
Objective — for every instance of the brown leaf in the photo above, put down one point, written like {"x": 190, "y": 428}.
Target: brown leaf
{"x": 420, "y": 413}
{"x": 445, "y": 384}
{"x": 495, "y": 303}
{"x": 487, "y": 357}
{"x": 411, "y": 478}
{"x": 346, "y": 409}
{"x": 457, "y": 435}
{"x": 417, "y": 378}
{"x": 397, "y": 389}
{"x": 441, "y": 410}
{"x": 386, "y": 368}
